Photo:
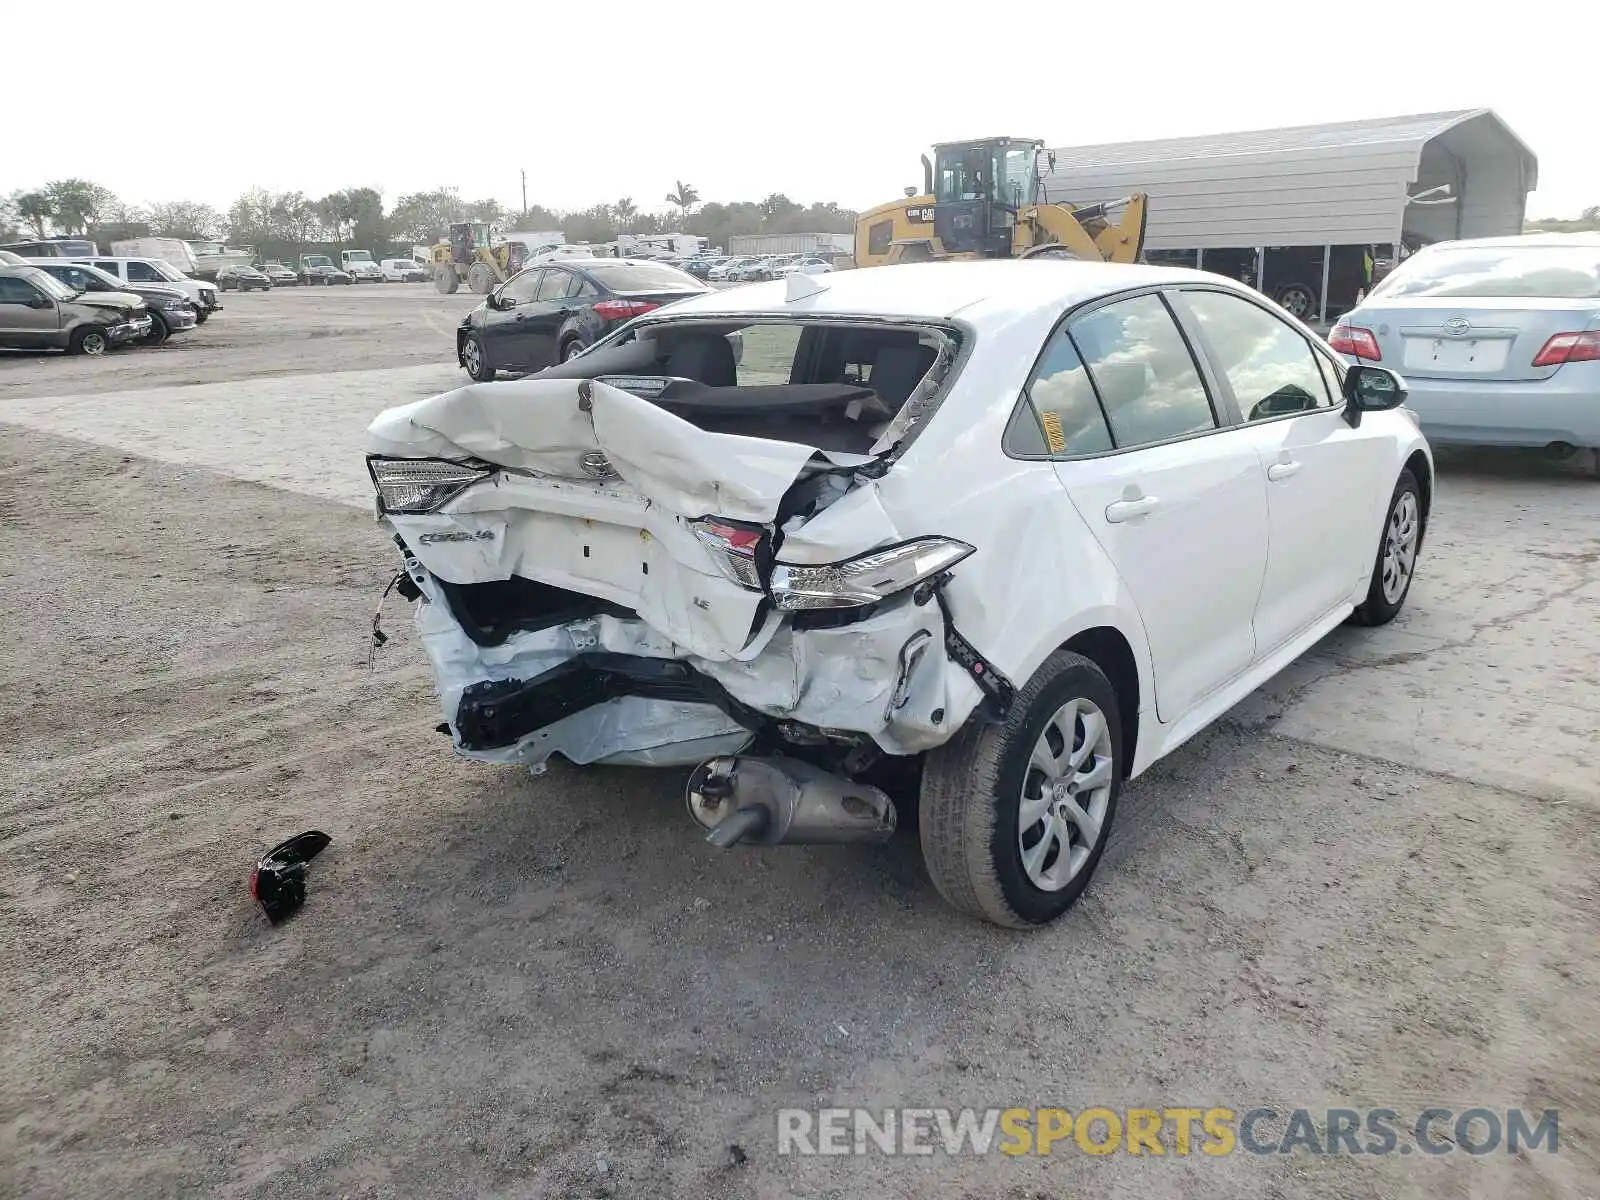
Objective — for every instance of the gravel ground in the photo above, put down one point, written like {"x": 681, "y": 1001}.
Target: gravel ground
{"x": 1374, "y": 885}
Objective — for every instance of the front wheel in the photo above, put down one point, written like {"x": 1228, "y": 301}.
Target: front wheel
{"x": 90, "y": 340}
{"x": 1397, "y": 554}
{"x": 201, "y": 316}
{"x": 475, "y": 360}
{"x": 446, "y": 281}
{"x": 1014, "y": 817}
{"x": 159, "y": 332}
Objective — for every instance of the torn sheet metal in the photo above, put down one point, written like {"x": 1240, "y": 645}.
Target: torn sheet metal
{"x": 539, "y": 425}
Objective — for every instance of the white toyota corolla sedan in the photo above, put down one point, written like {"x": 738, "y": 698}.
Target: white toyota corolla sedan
{"x": 981, "y": 539}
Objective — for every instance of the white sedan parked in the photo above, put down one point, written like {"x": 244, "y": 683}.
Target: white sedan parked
{"x": 990, "y": 537}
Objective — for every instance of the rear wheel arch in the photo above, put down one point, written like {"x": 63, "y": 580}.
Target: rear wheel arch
{"x": 1110, "y": 650}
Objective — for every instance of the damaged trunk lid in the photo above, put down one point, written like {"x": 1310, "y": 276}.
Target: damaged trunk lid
{"x": 584, "y": 487}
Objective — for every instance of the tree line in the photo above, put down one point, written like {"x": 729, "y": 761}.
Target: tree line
{"x": 286, "y": 224}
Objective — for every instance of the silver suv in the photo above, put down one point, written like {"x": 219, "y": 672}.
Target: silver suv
{"x": 39, "y": 312}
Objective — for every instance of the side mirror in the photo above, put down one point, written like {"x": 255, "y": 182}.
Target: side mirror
{"x": 501, "y": 302}
{"x": 1371, "y": 389}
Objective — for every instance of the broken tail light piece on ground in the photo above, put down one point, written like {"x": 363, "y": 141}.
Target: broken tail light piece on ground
{"x": 278, "y": 883}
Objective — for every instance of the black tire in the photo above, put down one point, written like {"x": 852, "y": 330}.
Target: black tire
{"x": 972, "y": 790}
{"x": 1299, "y": 300}
{"x": 160, "y": 331}
{"x": 89, "y": 339}
{"x": 475, "y": 360}
{"x": 201, "y": 315}
{"x": 570, "y": 348}
{"x": 1383, "y": 603}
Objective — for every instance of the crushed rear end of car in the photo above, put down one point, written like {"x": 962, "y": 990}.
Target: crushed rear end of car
{"x": 656, "y": 566}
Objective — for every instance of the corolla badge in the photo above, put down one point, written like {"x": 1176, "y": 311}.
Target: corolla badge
{"x": 1457, "y": 326}
{"x": 596, "y": 466}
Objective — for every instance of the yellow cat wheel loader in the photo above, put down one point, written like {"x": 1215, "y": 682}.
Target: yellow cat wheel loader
{"x": 983, "y": 199}
{"x": 472, "y": 254}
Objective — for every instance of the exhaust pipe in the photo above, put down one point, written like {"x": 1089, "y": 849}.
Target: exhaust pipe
{"x": 771, "y": 800}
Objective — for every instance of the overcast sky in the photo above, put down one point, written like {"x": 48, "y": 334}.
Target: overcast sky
{"x": 820, "y": 100}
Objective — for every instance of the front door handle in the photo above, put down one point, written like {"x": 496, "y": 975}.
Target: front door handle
{"x": 1131, "y": 510}
{"x": 1283, "y": 470}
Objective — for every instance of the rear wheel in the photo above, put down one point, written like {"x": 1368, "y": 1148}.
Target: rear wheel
{"x": 571, "y": 348}
{"x": 475, "y": 360}
{"x": 1397, "y": 555}
{"x": 1299, "y": 300}
{"x": 1014, "y": 817}
{"x": 90, "y": 340}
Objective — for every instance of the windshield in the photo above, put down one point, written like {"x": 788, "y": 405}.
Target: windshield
{"x": 167, "y": 271}
{"x": 357, "y": 256}
{"x": 51, "y": 286}
{"x": 317, "y": 260}
{"x": 1564, "y": 272}
{"x": 629, "y": 277}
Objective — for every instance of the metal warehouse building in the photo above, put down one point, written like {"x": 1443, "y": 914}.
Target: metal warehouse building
{"x": 1304, "y": 212}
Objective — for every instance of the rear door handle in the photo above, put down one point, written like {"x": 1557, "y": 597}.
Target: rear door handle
{"x": 1283, "y": 470}
{"x": 1131, "y": 510}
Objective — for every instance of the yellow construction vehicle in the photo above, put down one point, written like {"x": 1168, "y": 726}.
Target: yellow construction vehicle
{"x": 475, "y": 255}
{"x": 982, "y": 199}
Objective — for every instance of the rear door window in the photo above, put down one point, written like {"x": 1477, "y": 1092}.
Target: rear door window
{"x": 110, "y": 268}
{"x": 554, "y": 286}
{"x": 1142, "y": 371}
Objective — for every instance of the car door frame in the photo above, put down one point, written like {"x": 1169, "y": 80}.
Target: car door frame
{"x": 1311, "y": 516}
{"x": 504, "y": 330}
{"x": 1181, "y": 697}
{"x": 38, "y": 330}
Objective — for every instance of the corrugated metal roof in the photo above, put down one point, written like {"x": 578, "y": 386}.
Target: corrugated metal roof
{"x": 1309, "y": 184}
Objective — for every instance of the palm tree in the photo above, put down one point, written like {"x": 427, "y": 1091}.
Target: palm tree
{"x": 685, "y": 197}
{"x": 626, "y": 210}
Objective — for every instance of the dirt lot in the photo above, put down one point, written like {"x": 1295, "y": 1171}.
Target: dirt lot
{"x": 1375, "y": 885}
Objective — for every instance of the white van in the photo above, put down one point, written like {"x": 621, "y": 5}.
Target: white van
{"x": 158, "y": 270}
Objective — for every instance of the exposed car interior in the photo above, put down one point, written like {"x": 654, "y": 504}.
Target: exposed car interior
{"x": 833, "y": 386}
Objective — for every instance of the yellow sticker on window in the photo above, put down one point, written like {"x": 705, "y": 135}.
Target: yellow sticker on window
{"x": 1053, "y": 436}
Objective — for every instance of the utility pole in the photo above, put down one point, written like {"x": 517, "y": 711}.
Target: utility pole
{"x": 524, "y": 192}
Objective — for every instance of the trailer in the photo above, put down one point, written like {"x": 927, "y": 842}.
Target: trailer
{"x": 823, "y": 245}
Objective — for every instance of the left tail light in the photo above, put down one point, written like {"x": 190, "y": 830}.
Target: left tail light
{"x": 422, "y": 485}
{"x": 1355, "y": 341}
{"x": 622, "y": 310}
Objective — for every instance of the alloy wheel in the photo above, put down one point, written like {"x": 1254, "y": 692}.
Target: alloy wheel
{"x": 1066, "y": 792}
{"x": 1399, "y": 547}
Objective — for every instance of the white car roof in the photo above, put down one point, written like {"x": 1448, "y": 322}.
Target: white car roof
{"x": 1537, "y": 238}
{"x": 995, "y": 290}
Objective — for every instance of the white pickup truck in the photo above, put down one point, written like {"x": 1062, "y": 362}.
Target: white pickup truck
{"x": 358, "y": 264}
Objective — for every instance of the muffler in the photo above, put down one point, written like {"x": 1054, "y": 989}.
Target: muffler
{"x": 771, "y": 800}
